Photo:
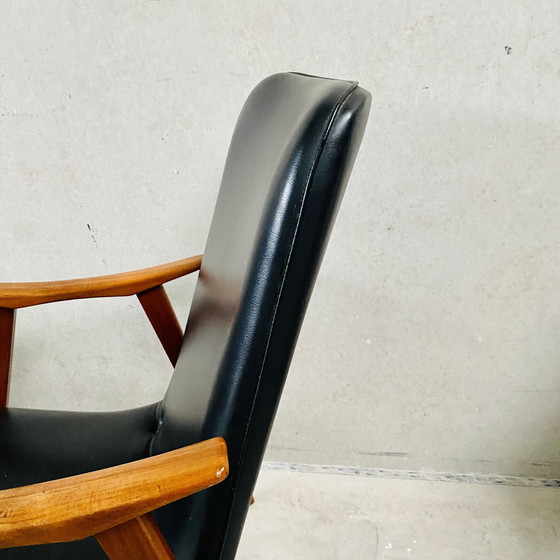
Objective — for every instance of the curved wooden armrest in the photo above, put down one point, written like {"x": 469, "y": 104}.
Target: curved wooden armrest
{"x": 15, "y": 295}
{"x": 84, "y": 505}
{"x": 145, "y": 283}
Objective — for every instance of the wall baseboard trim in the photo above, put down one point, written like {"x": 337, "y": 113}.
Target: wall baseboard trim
{"x": 431, "y": 476}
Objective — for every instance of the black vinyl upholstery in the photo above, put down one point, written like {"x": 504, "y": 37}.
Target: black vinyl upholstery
{"x": 289, "y": 160}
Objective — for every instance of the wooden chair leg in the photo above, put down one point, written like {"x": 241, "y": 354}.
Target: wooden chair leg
{"x": 158, "y": 308}
{"x": 7, "y": 327}
{"x": 139, "y": 538}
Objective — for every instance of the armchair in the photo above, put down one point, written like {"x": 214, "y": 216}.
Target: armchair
{"x": 124, "y": 477}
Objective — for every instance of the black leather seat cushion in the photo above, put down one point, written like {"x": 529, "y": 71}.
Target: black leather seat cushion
{"x": 87, "y": 549}
{"x": 40, "y": 445}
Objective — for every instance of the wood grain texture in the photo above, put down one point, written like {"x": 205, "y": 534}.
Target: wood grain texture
{"x": 15, "y": 295}
{"x": 80, "y": 506}
{"x": 137, "y": 538}
{"x": 158, "y": 308}
{"x": 7, "y": 329}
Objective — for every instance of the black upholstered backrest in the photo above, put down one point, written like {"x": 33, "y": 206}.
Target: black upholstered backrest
{"x": 288, "y": 163}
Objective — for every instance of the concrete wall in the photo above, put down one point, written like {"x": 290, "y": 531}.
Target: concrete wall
{"x": 432, "y": 340}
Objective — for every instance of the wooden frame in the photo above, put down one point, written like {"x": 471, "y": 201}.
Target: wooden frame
{"x": 113, "y": 504}
{"x": 7, "y": 329}
{"x": 15, "y": 295}
{"x": 146, "y": 284}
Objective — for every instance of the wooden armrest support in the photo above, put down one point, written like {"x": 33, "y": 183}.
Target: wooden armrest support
{"x": 15, "y": 295}
{"x": 145, "y": 283}
{"x": 84, "y": 505}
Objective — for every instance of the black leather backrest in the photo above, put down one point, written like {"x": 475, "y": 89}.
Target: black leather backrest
{"x": 288, "y": 163}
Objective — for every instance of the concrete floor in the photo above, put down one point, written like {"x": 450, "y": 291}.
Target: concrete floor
{"x": 301, "y": 516}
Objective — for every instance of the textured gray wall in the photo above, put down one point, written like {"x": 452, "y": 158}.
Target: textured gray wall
{"x": 432, "y": 340}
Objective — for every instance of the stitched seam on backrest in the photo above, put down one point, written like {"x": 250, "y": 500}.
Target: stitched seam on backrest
{"x": 159, "y": 418}
{"x": 339, "y": 104}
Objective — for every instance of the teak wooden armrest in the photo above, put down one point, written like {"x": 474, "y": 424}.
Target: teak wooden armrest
{"x": 100, "y": 502}
{"x": 15, "y": 295}
{"x": 146, "y": 283}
